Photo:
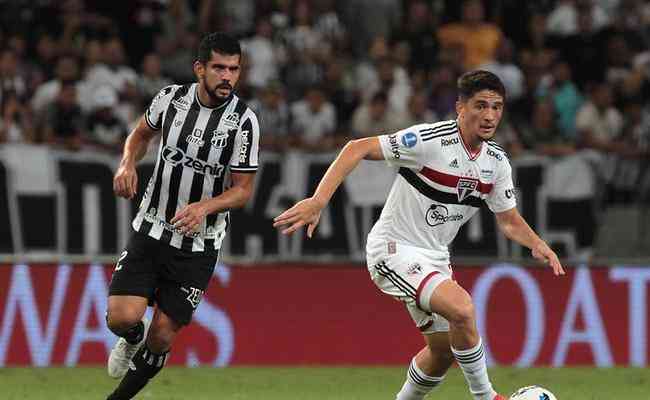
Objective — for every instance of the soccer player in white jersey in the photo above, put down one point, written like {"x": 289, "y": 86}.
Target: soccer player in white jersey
{"x": 446, "y": 170}
{"x": 206, "y": 164}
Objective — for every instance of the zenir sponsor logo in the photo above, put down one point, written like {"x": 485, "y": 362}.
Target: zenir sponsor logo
{"x": 181, "y": 104}
{"x": 175, "y": 156}
{"x": 232, "y": 120}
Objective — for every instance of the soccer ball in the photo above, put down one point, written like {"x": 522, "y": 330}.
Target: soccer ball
{"x": 532, "y": 393}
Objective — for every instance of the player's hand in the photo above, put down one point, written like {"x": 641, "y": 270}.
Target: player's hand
{"x": 189, "y": 217}
{"x": 544, "y": 253}
{"x": 125, "y": 181}
{"x": 304, "y": 212}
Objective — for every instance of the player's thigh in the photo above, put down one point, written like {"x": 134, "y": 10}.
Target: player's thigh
{"x": 181, "y": 287}
{"x": 410, "y": 275}
{"x": 135, "y": 273}
{"x": 451, "y": 301}
{"x": 125, "y": 311}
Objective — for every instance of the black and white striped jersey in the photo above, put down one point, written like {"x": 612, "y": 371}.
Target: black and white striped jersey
{"x": 199, "y": 148}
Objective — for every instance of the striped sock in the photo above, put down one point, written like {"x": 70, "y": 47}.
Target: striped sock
{"x": 417, "y": 384}
{"x": 472, "y": 363}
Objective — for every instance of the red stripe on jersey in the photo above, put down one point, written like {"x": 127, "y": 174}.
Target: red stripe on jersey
{"x": 442, "y": 178}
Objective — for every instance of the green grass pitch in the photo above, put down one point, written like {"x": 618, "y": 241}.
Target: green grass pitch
{"x": 314, "y": 383}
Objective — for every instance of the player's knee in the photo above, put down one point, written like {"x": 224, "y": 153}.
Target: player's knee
{"x": 119, "y": 319}
{"x": 462, "y": 314}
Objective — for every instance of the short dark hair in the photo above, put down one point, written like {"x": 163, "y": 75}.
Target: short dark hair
{"x": 218, "y": 42}
{"x": 473, "y": 82}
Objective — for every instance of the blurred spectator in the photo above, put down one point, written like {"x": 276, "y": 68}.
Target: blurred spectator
{"x": 65, "y": 123}
{"x": 115, "y": 73}
{"x": 233, "y": 16}
{"x": 273, "y": 114}
{"x": 564, "y": 19}
{"x": 66, "y": 71}
{"x": 177, "y": 55}
{"x": 375, "y": 117}
{"x": 418, "y": 111}
{"x": 570, "y": 186}
{"x": 328, "y": 23}
{"x": 104, "y": 129}
{"x": 151, "y": 80}
{"x": 598, "y": 122}
{"x": 369, "y": 19}
{"x": 11, "y": 81}
{"x": 566, "y": 98}
{"x": 419, "y": 32}
{"x": 443, "y": 91}
{"x": 477, "y": 39}
{"x": 43, "y": 59}
{"x": 313, "y": 121}
{"x": 626, "y": 78}
{"x": 262, "y": 55}
{"x": 340, "y": 90}
{"x": 585, "y": 49}
{"x": 15, "y": 120}
{"x": 505, "y": 68}
{"x": 393, "y": 79}
{"x": 536, "y": 49}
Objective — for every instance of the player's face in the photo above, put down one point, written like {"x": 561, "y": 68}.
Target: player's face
{"x": 479, "y": 115}
{"x": 219, "y": 75}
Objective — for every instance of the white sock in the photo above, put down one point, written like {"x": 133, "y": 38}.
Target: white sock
{"x": 472, "y": 363}
{"x": 417, "y": 384}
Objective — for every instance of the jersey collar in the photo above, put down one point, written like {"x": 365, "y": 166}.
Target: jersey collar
{"x": 471, "y": 155}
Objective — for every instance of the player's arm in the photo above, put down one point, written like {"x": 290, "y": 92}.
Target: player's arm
{"x": 125, "y": 182}
{"x": 307, "y": 211}
{"x": 189, "y": 218}
{"x": 513, "y": 225}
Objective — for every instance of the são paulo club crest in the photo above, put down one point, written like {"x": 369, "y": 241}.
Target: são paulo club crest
{"x": 465, "y": 187}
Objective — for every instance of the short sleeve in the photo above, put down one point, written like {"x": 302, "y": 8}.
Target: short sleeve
{"x": 503, "y": 195}
{"x": 153, "y": 115}
{"x": 246, "y": 147}
{"x": 403, "y": 148}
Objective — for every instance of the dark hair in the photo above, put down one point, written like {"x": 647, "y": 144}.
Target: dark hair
{"x": 473, "y": 82}
{"x": 218, "y": 42}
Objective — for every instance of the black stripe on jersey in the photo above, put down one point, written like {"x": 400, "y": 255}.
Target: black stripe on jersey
{"x": 224, "y": 159}
{"x": 437, "y": 195}
{"x": 441, "y": 126}
{"x": 169, "y": 118}
{"x": 204, "y": 152}
{"x": 177, "y": 171}
{"x": 247, "y": 126}
{"x": 441, "y": 134}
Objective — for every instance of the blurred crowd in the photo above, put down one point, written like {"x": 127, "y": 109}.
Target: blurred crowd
{"x": 79, "y": 73}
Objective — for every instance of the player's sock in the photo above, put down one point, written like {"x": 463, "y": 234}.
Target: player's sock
{"x": 417, "y": 384}
{"x": 143, "y": 366}
{"x": 472, "y": 363}
{"x": 134, "y": 334}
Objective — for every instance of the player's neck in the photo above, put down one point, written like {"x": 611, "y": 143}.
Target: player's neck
{"x": 472, "y": 143}
{"x": 208, "y": 101}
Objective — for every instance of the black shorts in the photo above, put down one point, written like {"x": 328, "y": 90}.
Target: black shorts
{"x": 173, "y": 279}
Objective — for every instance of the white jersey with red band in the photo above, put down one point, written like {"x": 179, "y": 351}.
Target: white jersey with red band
{"x": 439, "y": 186}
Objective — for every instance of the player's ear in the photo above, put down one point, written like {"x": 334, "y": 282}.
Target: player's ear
{"x": 199, "y": 69}
{"x": 459, "y": 106}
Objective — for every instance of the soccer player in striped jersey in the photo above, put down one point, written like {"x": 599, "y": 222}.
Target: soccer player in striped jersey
{"x": 446, "y": 171}
{"x": 205, "y": 166}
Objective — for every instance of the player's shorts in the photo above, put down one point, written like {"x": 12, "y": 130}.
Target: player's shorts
{"x": 173, "y": 279}
{"x": 410, "y": 274}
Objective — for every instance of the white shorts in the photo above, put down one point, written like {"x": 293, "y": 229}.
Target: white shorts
{"x": 410, "y": 274}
